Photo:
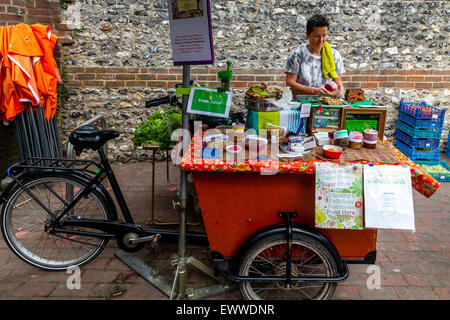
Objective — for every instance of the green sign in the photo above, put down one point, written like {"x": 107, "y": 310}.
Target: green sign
{"x": 209, "y": 102}
{"x": 360, "y": 125}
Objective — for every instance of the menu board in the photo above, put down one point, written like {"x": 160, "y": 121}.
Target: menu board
{"x": 339, "y": 199}
{"x": 191, "y": 32}
{"x": 388, "y": 197}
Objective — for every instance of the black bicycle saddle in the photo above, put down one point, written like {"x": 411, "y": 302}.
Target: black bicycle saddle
{"x": 90, "y": 137}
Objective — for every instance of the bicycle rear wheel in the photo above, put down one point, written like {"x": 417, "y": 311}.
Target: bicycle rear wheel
{"x": 267, "y": 258}
{"x": 23, "y": 223}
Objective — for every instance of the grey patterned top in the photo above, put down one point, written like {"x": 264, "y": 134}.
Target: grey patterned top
{"x": 308, "y": 67}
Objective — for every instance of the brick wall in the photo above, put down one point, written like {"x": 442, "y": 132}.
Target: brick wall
{"x": 12, "y": 12}
{"x": 121, "y": 77}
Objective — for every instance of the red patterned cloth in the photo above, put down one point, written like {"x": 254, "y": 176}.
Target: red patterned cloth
{"x": 192, "y": 161}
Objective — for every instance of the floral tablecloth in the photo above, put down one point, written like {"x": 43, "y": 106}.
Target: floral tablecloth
{"x": 192, "y": 161}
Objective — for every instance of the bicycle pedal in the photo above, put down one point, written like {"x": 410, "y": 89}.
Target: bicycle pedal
{"x": 155, "y": 242}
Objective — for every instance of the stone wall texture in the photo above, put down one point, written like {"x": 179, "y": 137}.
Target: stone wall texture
{"x": 118, "y": 54}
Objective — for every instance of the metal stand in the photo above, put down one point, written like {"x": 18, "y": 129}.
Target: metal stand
{"x": 177, "y": 288}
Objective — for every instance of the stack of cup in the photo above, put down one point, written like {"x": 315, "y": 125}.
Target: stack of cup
{"x": 355, "y": 139}
{"x": 370, "y": 138}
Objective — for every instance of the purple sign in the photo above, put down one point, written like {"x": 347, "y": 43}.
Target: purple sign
{"x": 191, "y": 32}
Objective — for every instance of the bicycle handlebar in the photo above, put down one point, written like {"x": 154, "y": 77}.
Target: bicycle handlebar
{"x": 170, "y": 99}
{"x": 157, "y": 102}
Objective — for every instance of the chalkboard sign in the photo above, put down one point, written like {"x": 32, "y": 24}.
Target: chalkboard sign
{"x": 359, "y": 119}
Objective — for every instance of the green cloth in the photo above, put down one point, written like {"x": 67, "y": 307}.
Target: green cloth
{"x": 328, "y": 66}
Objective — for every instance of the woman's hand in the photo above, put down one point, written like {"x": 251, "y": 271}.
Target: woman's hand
{"x": 316, "y": 91}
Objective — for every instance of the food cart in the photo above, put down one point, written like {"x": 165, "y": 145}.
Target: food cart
{"x": 265, "y": 207}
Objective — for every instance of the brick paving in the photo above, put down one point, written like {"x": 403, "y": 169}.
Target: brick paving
{"x": 412, "y": 265}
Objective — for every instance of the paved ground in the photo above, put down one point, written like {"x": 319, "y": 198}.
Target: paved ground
{"x": 412, "y": 265}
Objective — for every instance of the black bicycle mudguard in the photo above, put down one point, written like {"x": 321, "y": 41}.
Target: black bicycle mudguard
{"x": 281, "y": 228}
{"x": 35, "y": 174}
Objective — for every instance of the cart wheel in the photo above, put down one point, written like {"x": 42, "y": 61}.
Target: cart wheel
{"x": 267, "y": 257}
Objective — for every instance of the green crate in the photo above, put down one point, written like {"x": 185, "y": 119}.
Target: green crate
{"x": 439, "y": 176}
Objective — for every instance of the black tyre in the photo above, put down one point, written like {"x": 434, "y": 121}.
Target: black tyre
{"x": 267, "y": 257}
{"x": 23, "y": 223}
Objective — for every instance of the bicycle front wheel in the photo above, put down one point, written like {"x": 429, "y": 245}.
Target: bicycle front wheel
{"x": 267, "y": 258}
{"x": 23, "y": 223}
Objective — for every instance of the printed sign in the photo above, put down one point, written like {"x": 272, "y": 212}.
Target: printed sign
{"x": 339, "y": 200}
{"x": 209, "y": 102}
{"x": 191, "y": 32}
{"x": 388, "y": 197}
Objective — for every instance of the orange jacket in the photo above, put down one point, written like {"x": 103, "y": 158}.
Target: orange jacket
{"x": 45, "y": 68}
{"x": 28, "y": 72}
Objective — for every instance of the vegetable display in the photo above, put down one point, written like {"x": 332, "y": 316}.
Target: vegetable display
{"x": 158, "y": 128}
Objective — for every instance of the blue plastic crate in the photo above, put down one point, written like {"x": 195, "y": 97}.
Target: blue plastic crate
{"x": 421, "y": 123}
{"x": 447, "y": 149}
{"x": 416, "y": 143}
{"x": 417, "y": 154}
{"x": 421, "y": 110}
{"x": 439, "y": 176}
{"x": 419, "y": 133}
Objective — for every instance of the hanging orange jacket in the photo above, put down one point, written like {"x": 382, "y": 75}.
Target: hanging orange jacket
{"x": 10, "y": 104}
{"x": 18, "y": 45}
{"x": 45, "y": 68}
{"x": 28, "y": 71}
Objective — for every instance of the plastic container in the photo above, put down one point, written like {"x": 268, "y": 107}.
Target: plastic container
{"x": 333, "y": 152}
{"x": 369, "y": 144}
{"x": 439, "y": 176}
{"x": 421, "y": 110}
{"x": 238, "y": 126}
{"x": 417, "y": 154}
{"x": 341, "y": 138}
{"x": 416, "y": 142}
{"x": 421, "y": 123}
{"x": 419, "y": 133}
{"x": 255, "y": 143}
{"x": 331, "y": 86}
{"x": 355, "y": 140}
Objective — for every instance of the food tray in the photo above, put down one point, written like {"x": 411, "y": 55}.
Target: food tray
{"x": 260, "y": 105}
{"x": 421, "y": 123}
{"x": 419, "y": 133}
{"x": 416, "y": 143}
{"x": 439, "y": 176}
{"x": 416, "y": 154}
{"x": 421, "y": 110}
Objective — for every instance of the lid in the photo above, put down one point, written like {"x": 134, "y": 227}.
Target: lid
{"x": 341, "y": 134}
{"x": 370, "y": 142}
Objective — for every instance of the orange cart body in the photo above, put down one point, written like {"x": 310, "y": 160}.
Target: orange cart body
{"x": 236, "y": 205}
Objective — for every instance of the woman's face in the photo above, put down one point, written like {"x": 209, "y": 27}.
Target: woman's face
{"x": 317, "y": 37}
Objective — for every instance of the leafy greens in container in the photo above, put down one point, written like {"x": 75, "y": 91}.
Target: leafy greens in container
{"x": 157, "y": 129}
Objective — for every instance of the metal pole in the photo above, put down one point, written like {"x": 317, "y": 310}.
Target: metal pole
{"x": 183, "y": 196}
{"x": 19, "y": 139}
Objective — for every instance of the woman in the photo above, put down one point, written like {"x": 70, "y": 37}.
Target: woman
{"x": 305, "y": 65}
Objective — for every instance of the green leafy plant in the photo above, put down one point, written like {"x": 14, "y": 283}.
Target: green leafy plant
{"x": 158, "y": 128}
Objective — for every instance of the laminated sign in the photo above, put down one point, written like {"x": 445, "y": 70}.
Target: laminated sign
{"x": 388, "y": 197}
{"x": 339, "y": 199}
{"x": 209, "y": 102}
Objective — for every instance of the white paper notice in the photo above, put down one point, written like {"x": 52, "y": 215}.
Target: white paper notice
{"x": 305, "y": 110}
{"x": 388, "y": 197}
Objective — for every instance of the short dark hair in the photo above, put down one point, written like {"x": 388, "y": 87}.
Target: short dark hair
{"x": 318, "y": 20}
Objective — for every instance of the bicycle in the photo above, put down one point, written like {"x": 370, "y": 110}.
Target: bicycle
{"x": 58, "y": 214}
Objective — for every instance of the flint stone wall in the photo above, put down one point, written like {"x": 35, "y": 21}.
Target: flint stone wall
{"x": 119, "y": 55}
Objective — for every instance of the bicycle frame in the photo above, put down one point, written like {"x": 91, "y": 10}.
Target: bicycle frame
{"x": 111, "y": 228}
